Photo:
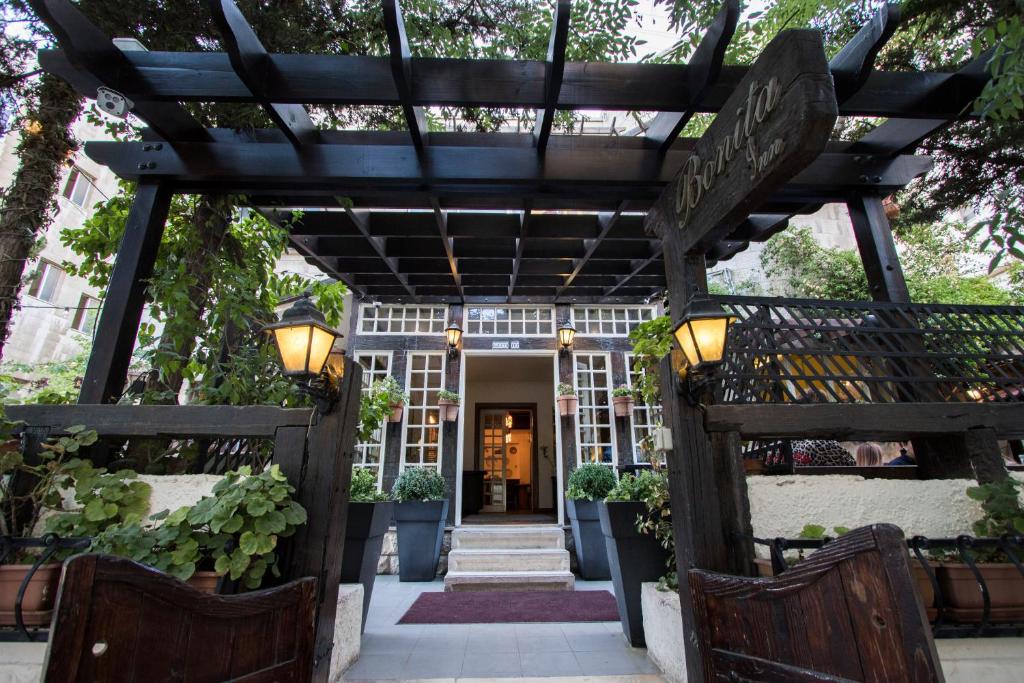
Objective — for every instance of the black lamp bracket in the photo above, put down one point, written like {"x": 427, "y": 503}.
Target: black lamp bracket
{"x": 323, "y": 390}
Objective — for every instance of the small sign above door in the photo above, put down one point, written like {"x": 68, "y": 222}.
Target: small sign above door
{"x": 505, "y": 344}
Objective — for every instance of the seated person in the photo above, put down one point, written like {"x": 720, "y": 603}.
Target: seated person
{"x": 821, "y": 453}
{"x": 868, "y": 455}
{"x": 904, "y": 458}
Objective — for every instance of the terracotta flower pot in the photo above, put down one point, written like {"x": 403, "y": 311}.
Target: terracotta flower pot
{"x": 396, "y": 412}
{"x": 753, "y": 465}
{"x": 37, "y": 605}
{"x": 623, "y": 405}
{"x": 204, "y": 581}
{"x": 962, "y": 593}
{"x": 568, "y": 404}
{"x": 449, "y": 410}
{"x": 764, "y": 566}
{"x": 924, "y": 587}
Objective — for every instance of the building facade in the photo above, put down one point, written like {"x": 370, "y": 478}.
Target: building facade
{"x": 509, "y": 450}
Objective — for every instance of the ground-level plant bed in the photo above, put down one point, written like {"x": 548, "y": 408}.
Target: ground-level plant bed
{"x": 421, "y": 509}
{"x": 588, "y": 486}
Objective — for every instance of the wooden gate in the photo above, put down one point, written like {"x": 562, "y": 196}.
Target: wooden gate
{"x": 847, "y": 613}
{"x": 121, "y": 621}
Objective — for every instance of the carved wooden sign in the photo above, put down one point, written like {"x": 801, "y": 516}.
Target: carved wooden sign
{"x": 775, "y": 123}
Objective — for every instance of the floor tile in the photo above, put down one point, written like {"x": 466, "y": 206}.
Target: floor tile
{"x": 491, "y": 664}
{"x": 550, "y": 664}
{"x": 616, "y": 662}
{"x": 433, "y": 664}
{"x": 594, "y": 642}
{"x": 377, "y": 666}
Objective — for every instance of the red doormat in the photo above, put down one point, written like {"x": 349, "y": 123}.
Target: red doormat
{"x": 495, "y": 607}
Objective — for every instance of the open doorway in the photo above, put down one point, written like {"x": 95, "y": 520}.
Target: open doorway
{"x": 509, "y": 472}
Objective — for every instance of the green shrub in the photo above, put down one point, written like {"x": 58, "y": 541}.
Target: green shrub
{"x": 590, "y": 482}
{"x": 446, "y": 395}
{"x": 419, "y": 483}
{"x": 1002, "y": 514}
{"x": 622, "y": 390}
{"x": 638, "y": 488}
{"x": 364, "y": 487}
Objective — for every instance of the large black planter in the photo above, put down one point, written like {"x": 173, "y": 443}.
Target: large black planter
{"x": 364, "y": 535}
{"x": 634, "y": 558}
{"x": 588, "y": 539}
{"x": 420, "y": 532}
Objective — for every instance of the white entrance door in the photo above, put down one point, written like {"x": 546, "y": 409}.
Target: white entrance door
{"x": 494, "y": 457}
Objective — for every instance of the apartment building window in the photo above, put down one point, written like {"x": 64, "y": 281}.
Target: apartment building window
{"x": 520, "y": 321}
{"x": 593, "y": 387}
{"x": 85, "y": 315}
{"x": 78, "y": 187}
{"x": 46, "y": 281}
{"x": 398, "y": 319}
{"x": 645, "y": 419}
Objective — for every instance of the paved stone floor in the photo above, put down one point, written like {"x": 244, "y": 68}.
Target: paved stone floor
{"x": 392, "y": 651}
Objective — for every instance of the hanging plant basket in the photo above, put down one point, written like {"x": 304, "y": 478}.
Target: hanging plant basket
{"x": 568, "y": 404}
{"x": 396, "y": 412}
{"x": 623, "y": 405}
{"x": 449, "y": 409}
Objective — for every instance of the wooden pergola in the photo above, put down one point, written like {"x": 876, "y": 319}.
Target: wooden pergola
{"x": 538, "y": 217}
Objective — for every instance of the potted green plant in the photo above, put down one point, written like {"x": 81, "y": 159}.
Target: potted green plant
{"x": 369, "y": 516}
{"x": 588, "y": 486}
{"x": 568, "y": 402}
{"x": 1001, "y": 514}
{"x": 448, "y": 402}
{"x": 635, "y": 556}
{"x": 396, "y": 398}
{"x": 59, "y": 494}
{"x": 421, "y": 508}
{"x": 234, "y": 532}
{"x": 622, "y": 401}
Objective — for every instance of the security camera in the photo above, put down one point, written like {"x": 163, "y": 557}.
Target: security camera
{"x": 112, "y": 102}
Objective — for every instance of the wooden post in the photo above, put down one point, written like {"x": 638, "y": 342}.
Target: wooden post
{"x": 321, "y": 474}
{"x": 449, "y": 434}
{"x": 118, "y": 324}
{"x": 974, "y": 453}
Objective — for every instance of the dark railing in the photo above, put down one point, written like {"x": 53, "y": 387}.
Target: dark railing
{"x": 944, "y": 623}
{"x": 809, "y": 351}
{"x": 49, "y": 545}
{"x": 191, "y": 456}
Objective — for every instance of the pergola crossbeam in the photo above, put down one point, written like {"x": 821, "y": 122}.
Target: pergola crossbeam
{"x": 252, "y": 63}
{"x": 524, "y": 229}
{"x": 98, "y": 62}
{"x": 705, "y": 65}
{"x": 377, "y": 244}
{"x": 554, "y": 68}
{"x": 637, "y": 269}
{"x": 442, "y": 229}
{"x": 852, "y": 65}
{"x": 402, "y": 73}
{"x": 607, "y": 222}
{"x": 307, "y": 246}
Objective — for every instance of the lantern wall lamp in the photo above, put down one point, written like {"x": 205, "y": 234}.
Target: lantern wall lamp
{"x": 703, "y": 337}
{"x": 453, "y": 334}
{"x": 566, "y": 335}
{"x": 305, "y": 347}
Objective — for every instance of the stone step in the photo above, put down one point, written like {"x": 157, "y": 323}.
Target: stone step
{"x": 508, "y": 537}
{"x": 509, "y": 581}
{"x": 508, "y": 560}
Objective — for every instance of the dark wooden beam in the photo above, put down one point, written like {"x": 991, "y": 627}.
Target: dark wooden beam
{"x": 402, "y": 73}
{"x": 554, "y": 68}
{"x": 350, "y": 79}
{"x": 118, "y": 325}
{"x": 252, "y": 63}
{"x": 307, "y": 246}
{"x": 852, "y": 65}
{"x": 607, "y": 222}
{"x": 359, "y": 219}
{"x": 637, "y": 269}
{"x": 163, "y": 421}
{"x": 442, "y": 229}
{"x": 273, "y": 167}
{"x": 524, "y": 230}
{"x": 865, "y": 421}
{"x": 705, "y": 65}
{"x": 877, "y": 249}
{"x": 99, "y": 62}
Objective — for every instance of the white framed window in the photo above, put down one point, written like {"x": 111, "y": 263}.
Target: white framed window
{"x": 401, "y": 319}
{"x": 78, "y": 187}
{"x": 85, "y": 315}
{"x": 644, "y": 419}
{"x": 609, "y": 321}
{"x": 370, "y": 453}
{"x": 46, "y": 281}
{"x": 595, "y": 425}
{"x": 421, "y": 423}
{"x": 504, "y": 321}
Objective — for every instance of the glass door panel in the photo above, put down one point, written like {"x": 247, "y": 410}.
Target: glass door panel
{"x": 493, "y": 459}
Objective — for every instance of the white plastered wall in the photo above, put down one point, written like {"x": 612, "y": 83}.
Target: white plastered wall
{"x": 783, "y": 505}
